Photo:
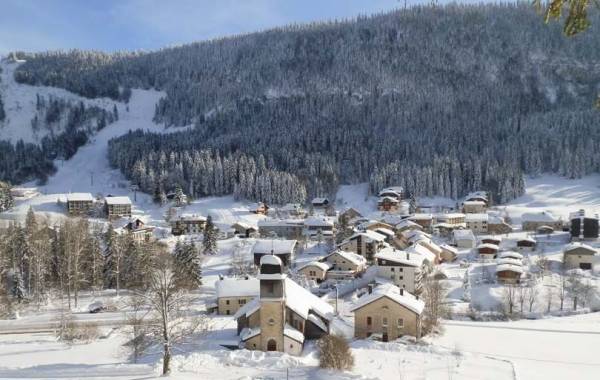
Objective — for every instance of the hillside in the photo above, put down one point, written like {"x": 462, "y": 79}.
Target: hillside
{"x": 441, "y": 100}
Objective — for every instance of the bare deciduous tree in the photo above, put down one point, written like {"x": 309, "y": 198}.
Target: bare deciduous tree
{"x": 434, "y": 293}
{"x": 510, "y": 298}
{"x": 170, "y": 319}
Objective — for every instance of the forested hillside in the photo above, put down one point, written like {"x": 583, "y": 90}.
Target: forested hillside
{"x": 441, "y": 100}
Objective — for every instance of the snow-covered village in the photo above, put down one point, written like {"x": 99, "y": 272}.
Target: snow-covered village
{"x": 361, "y": 192}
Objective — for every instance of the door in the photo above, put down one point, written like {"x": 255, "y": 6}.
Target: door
{"x": 271, "y": 345}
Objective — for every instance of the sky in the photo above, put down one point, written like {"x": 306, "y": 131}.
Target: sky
{"x": 112, "y": 25}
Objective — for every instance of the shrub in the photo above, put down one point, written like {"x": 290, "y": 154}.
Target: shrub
{"x": 334, "y": 353}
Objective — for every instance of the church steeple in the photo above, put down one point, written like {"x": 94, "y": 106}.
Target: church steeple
{"x": 271, "y": 277}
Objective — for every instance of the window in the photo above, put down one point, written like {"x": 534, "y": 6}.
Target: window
{"x": 393, "y": 269}
{"x": 242, "y": 302}
{"x": 401, "y": 269}
{"x": 369, "y": 321}
{"x": 227, "y": 311}
{"x": 227, "y": 302}
{"x": 384, "y": 321}
{"x": 400, "y": 323}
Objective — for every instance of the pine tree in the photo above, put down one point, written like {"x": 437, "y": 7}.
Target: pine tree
{"x": 209, "y": 243}
{"x": 187, "y": 265}
{"x": 17, "y": 289}
{"x": 179, "y": 197}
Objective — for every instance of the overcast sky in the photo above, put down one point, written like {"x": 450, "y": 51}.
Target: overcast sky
{"x": 109, "y": 25}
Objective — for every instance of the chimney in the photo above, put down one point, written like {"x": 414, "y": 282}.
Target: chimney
{"x": 417, "y": 297}
{"x": 407, "y": 256}
{"x": 401, "y": 291}
{"x": 220, "y": 277}
{"x": 370, "y": 288}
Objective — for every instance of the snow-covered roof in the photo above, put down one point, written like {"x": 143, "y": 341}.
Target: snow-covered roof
{"x": 450, "y": 215}
{"x": 350, "y": 256}
{"x": 248, "y": 333}
{"x": 423, "y": 251}
{"x": 476, "y": 217}
{"x": 510, "y": 255}
{"x": 526, "y": 239}
{"x": 280, "y": 222}
{"x": 192, "y": 217}
{"x": 412, "y": 234}
{"x": 491, "y": 239}
{"x": 79, "y": 197}
{"x": 393, "y": 293}
{"x": 539, "y": 217}
{"x": 317, "y": 321}
{"x": 244, "y": 225}
{"x": 291, "y": 207}
{"x": 488, "y": 245}
{"x": 318, "y": 221}
{"x": 117, "y": 200}
{"x": 385, "y": 231}
{"x": 302, "y": 301}
{"x": 388, "y": 199}
{"x": 406, "y": 223}
{"x": 319, "y": 200}
{"x": 398, "y": 190}
{"x": 463, "y": 234}
{"x": 509, "y": 267}
{"x": 476, "y": 195}
{"x": 577, "y": 245}
{"x": 421, "y": 217}
{"x": 400, "y": 257}
{"x": 474, "y": 203}
{"x": 274, "y": 246}
{"x": 248, "y": 309}
{"x": 321, "y": 265}
{"x": 291, "y": 332}
{"x": 369, "y": 235}
{"x": 449, "y": 248}
{"x": 236, "y": 287}
{"x": 510, "y": 260}
{"x": 270, "y": 260}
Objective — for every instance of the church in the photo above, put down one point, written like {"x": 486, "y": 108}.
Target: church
{"x": 284, "y": 314}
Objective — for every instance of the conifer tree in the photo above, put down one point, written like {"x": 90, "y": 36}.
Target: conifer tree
{"x": 209, "y": 243}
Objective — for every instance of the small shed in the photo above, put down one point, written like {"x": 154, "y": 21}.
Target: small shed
{"x": 526, "y": 244}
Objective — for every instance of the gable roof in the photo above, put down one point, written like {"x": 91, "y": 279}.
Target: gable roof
{"x": 391, "y": 292}
{"x": 80, "y": 197}
{"x": 463, "y": 234}
{"x": 370, "y": 235}
{"x": 117, "y": 200}
{"x": 275, "y": 246}
{"x": 539, "y": 217}
{"x": 319, "y": 264}
{"x": 350, "y": 256}
{"x": 577, "y": 245}
{"x": 400, "y": 257}
{"x": 237, "y": 287}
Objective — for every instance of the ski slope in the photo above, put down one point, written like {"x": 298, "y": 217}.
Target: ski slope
{"x": 20, "y": 105}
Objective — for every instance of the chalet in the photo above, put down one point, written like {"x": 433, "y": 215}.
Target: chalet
{"x": 320, "y": 202}
{"x": 497, "y": 226}
{"x": 428, "y": 250}
{"x": 365, "y": 244}
{"x": 423, "y": 220}
{"x": 509, "y": 271}
{"x": 478, "y": 196}
{"x": 544, "y": 230}
{"x": 138, "y": 230}
{"x": 349, "y": 214}
{"x": 463, "y": 238}
{"x": 344, "y": 265}
{"x": 244, "y": 230}
{"x": 388, "y": 312}
{"x": 188, "y": 224}
{"x": 234, "y": 293}
{"x": 388, "y": 204}
{"x": 284, "y": 315}
{"x": 478, "y": 223}
{"x": 579, "y": 255}
{"x": 395, "y": 192}
{"x": 526, "y": 244}
{"x": 79, "y": 203}
{"x": 287, "y": 229}
{"x": 487, "y": 251}
{"x": 285, "y": 250}
{"x": 582, "y": 226}
{"x": 259, "y": 208}
{"x": 409, "y": 237}
{"x": 474, "y": 207}
{"x": 315, "y": 270}
{"x": 117, "y": 207}
{"x": 452, "y": 219}
{"x": 512, "y": 255}
{"x": 449, "y": 253}
{"x": 531, "y": 221}
{"x": 390, "y": 235}
{"x": 315, "y": 226}
{"x": 401, "y": 268}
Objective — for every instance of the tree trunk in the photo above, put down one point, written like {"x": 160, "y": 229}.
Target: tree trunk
{"x": 166, "y": 359}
